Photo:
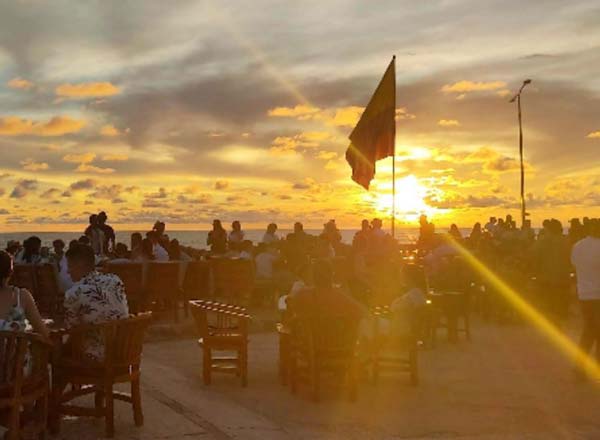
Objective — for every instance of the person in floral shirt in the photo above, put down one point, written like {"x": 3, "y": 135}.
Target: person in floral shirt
{"x": 94, "y": 298}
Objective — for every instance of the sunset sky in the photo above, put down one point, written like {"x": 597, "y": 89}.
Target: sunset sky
{"x": 187, "y": 111}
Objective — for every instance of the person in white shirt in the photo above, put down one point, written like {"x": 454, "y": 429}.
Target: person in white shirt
{"x": 585, "y": 256}
{"x": 271, "y": 234}
{"x": 159, "y": 252}
{"x": 64, "y": 279}
{"x": 236, "y": 236}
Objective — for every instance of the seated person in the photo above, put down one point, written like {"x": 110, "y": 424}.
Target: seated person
{"x": 324, "y": 299}
{"x": 121, "y": 254}
{"x": 16, "y": 304}
{"x": 94, "y": 298}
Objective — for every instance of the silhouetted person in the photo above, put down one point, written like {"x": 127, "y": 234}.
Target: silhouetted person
{"x": 108, "y": 231}
{"x": 426, "y": 233}
{"x": 95, "y": 234}
{"x": 271, "y": 234}
{"x": 455, "y": 233}
{"x": 217, "y": 238}
{"x": 236, "y": 236}
{"x": 362, "y": 239}
{"x": 30, "y": 253}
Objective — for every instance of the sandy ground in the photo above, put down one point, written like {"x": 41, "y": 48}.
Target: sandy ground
{"x": 508, "y": 382}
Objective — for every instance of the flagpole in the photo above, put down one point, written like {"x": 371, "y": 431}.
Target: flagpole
{"x": 394, "y": 159}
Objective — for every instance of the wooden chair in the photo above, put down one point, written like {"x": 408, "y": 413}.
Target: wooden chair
{"x": 233, "y": 279}
{"x": 23, "y": 389}
{"x": 123, "y": 342}
{"x": 284, "y": 332}
{"x": 47, "y": 293}
{"x": 23, "y": 276}
{"x": 222, "y": 327}
{"x": 132, "y": 276}
{"x": 398, "y": 351}
{"x": 196, "y": 283}
{"x": 324, "y": 344}
{"x": 162, "y": 288}
{"x": 450, "y": 308}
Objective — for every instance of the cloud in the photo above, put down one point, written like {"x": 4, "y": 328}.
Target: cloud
{"x": 109, "y": 192}
{"x": 594, "y": 135}
{"x": 471, "y": 86}
{"x": 57, "y": 126}
{"x": 161, "y": 194}
{"x": 221, "y": 184}
{"x": 299, "y": 112}
{"x": 448, "y": 123}
{"x": 115, "y": 157}
{"x": 299, "y": 142}
{"x": 87, "y": 168}
{"x": 83, "y": 184}
{"x": 19, "y": 83}
{"x": 501, "y": 164}
{"x": 4, "y": 211}
{"x": 50, "y": 193}
{"x": 326, "y": 155}
{"x": 109, "y": 131}
{"x": 23, "y": 187}
{"x": 31, "y": 165}
{"x": 87, "y": 90}
{"x": 79, "y": 158}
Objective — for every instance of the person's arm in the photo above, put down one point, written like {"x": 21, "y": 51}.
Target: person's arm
{"x": 32, "y": 313}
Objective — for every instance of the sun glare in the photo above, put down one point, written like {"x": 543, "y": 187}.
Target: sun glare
{"x": 410, "y": 199}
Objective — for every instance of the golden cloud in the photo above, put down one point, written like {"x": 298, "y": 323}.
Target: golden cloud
{"x": 87, "y": 90}
{"x": 221, "y": 184}
{"x": 115, "y": 157}
{"x": 20, "y": 83}
{"x": 326, "y": 155}
{"x": 109, "y": 131}
{"x": 79, "y": 158}
{"x": 594, "y": 135}
{"x": 471, "y": 86}
{"x": 299, "y": 111}
{"x": 57, "y": 126}
{"x": 86, "y": 168}
{"x": 448, "y": 123}
{"x": 302, "y": 141}
{"x": 31, "y": 165}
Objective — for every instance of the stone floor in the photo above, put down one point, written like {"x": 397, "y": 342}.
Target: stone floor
{"x": 508, "y": 382}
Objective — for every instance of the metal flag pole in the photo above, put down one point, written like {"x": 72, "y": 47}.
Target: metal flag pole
{"x": 517, "y": 97}
{"x": 394, "y": 158}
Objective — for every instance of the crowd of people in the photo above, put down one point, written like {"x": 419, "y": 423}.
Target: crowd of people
{"x": 546, "y": 261}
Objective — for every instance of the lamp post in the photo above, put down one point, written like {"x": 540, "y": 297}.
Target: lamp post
{"x": 517, "y": 98}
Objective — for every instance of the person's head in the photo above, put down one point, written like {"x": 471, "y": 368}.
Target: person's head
{"x": 59, "y": 246}
{"x": 159, "y": 227}
{"x": 12, "y": 247}
{"x": 500, "y": 222}
{"x": 121, "y": 250}
{"x": 152, "y": 236}
{"x": 236, "y": 226}
{"x": 556, "y": 227}
{"x": 453, "y": 228}
{"x": 272, "y": 228}
{"x": 298, "y": 227}
{"x": 102, "y": 217}
{"x": 45, "y": 251}
{"x": 84, "y": 239}
{"x": 493, "y": 220}
{"x": 546, "y": 224}
{"x": 477, "y": 227}
{"x": 6, "y": 268}
{"x": 32, "y": 246}
{"x": 136, "y": 240}
{"x": 217, "y": 226}
{"x": 364, "y": 225}
{"x": 527, "y": 224}
{"x": 376, "y": 223}
{"x": 73, "y": 243}
{"x": 508, "y": 218}
{"x": 322, "y": 274}
{"x": 174, "y": 250}
{"x": 422, "y": 219}
{"x": 93, "y": 219}
{"x": 81, "y": 261}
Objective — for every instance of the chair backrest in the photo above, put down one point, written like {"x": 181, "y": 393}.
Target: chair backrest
{"x": 326, "y": 335}
{"x": 233, "y": 278}
{"x": 47, "y": 294}
{"x": 24, "y": 276}
{"x": 131, "y": 274}
{"x": 212, "y": 318}
{"x": 196, "y": 283}
{"x": 14, "y": 347}
{"x": 162, "y": 280}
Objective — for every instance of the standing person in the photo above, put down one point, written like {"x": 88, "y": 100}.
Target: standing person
{"x": 426, "y": 233}
{"x": 16, "y": 304}
{"x": 455, "y": 232}
{"x": 362, "y": 239}
{"x": 136, "y": 245}
{"x": 109, "y": 232}
{"x": 31, "y": 252}
{"x": 236, "y": 236}
{"x": 271, "y": 234}
{"x": 491, "y": 225}
{"x": 586, "y": 259}
{"x": 64, "y": 279}
{"x": 95, "y": 235}
{"x": 551, "y": 254}
{"x": 158, "y": 251}
{"x": 217, "y": 238}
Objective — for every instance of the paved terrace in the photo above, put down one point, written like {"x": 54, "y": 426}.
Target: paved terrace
{"x": 508, "y": 382}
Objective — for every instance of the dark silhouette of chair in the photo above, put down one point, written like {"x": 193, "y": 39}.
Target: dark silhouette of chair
{"x": 131, "y": 274}
{"x": 23, "y": 390}
{"x": 233, "y": 279}
{"x": 23, "y": 276}
{"x": 47, "y": 293}
{"x": 196, "y": 283}
{"x": 123, "y": 343}
{"x": 323, "y": 345}
{"x": 162, "y": 288}
{"x": 222, "y": 327}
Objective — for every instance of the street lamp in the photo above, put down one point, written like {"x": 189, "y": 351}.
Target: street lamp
{"x": 517, "y": 97}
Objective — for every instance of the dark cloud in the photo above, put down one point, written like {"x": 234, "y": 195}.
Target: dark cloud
{"x": 83, "y": 185}
{"x": 23, "y": 188}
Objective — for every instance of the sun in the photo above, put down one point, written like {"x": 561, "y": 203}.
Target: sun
{"x": 410, "y": 199}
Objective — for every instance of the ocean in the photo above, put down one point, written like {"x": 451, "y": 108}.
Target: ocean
{"x": 195, "y": 239}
